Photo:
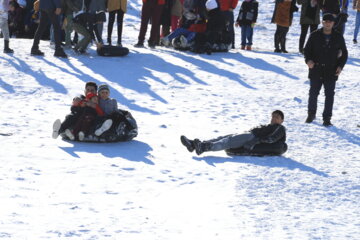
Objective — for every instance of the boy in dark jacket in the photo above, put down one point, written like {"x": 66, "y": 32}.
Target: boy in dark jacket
{"x": 272, "y": 133}
{"x": 246, "y": 20}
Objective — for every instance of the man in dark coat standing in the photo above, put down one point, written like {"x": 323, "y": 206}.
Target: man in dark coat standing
{"x": 49, "y": 11}
{"x": 325, "y": 54}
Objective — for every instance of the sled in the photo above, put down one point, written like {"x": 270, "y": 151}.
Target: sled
{"x": 112, "y": 51}
{"x": 126, "y": 130}
{"x": 262, "y": 149}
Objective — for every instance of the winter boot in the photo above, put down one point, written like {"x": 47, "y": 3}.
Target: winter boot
{"x": 201, "y": 147}
{"x": 139, "y": 44}
{"x": 242, "y": 47}
{"x": 327, "y": 122}
{"x": 36, "y": 52}
{"x": 248, "y": 47}
{"x": 69, "y": 134}
{"x": 60, "y": 53}
{"x": 310, "y": 118}
{"x": 189, "y": 144}
{"x": 183, "y": 41}
{"x": 56, "y": 128}
{"x": 6, "y": 47}
{"x": 104, "y": 127}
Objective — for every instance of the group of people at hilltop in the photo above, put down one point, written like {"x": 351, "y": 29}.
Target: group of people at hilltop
{"x": 198, "y": 25}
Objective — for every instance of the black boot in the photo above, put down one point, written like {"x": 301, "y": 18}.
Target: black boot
{"x": 327, "y": 122}
{"x": 310, "y": 118}
{"x": 201, "y": 147}
{"x": 36, "y": 52}
{"x": 189, "y": 144}
{"x": 6, "y": 47}
{"x": 59, "y": 52}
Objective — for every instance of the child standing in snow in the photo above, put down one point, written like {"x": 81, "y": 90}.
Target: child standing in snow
{"x": 4, "y": 8}
{"x": 246, "y": 20}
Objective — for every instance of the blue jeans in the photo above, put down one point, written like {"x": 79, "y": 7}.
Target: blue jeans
{"x": 230, "y": 141}
{"x": 182, "y": 31}
{"x": 246, "y": 34}
{"x": 357, "y": 25}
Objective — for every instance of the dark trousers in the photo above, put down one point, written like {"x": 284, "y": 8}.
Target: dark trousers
{"x": 150, "y": 9}
{"x": 304, "y": 31}
{"x": 120, "y": 18}
{"x": 280, "y": 37}
{"x": 47, "y": 17}
{"x": 329, "y": 88}
{"x": 229, "y": 18}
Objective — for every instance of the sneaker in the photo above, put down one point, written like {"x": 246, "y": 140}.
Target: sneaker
{"x": 310, "y": 118}
{"x": 60, "y": 53}
{"x": 56, "y": 128}
{"x": 187, "y": 143}
{"x": 242, "y": 47}
{"x": 36, "y": 52}
{"x": 165, "y": 41}
{"x": 139, "y": 45}
{"x": 81, "y": 136}
{"x": 69, "y": 134}
{"x": 104, "y": 127}
{"x": 248, "y": 47}
{"x": 327, "y": 123}
{"x": 183, "y": 41}
{"x": 355, "y": 41}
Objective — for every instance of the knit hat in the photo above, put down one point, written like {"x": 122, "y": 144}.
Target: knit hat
{"x": 211, "y": 4}
{"x": 103, "y": 87}
{"x": 90, "y": 95}
{"x": 328, "y": 17}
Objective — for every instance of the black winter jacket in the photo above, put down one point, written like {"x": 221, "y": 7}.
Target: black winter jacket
{"x": 326, "y": 56}
{"x": 270, "y": 133}
{"x": 248, "y": 13}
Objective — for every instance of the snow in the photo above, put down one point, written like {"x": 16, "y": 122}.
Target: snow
{"x": 151, "y": 187}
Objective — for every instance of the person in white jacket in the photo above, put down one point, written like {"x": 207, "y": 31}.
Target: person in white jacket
{"x": 4, "y": 8}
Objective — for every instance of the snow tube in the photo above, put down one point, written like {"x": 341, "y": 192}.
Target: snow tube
{"x": 112, "y": 51}
{"x": 262, "y": 149}
{"x": 123, "y": 131}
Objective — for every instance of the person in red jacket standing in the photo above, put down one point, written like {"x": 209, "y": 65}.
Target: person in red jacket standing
{"x": 151, "y": 9}
{"x": 227, "y": 7}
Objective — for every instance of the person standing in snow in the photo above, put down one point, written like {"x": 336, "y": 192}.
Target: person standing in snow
{"x": 118, "y": 8}
{"x": 325, "y": 55}
{"x": 227, "y": 7}
{"x": 4, "y": 8}
{"x": 49, "y": 12}
{"x": 274, "y": 132}
{"x": 151, "y": 9}
{"x": 356, "y": 6}
{"x": 282, "y": 17}
{"x": 310, "y": 18}
{"x": 246, "y": 20}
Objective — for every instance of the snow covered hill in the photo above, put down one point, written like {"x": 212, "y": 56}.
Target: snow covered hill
{"x": 152, "y": 188}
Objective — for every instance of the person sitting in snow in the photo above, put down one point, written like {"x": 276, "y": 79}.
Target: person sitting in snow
{"x": 77, "y": 110}
{"x": 272, "y": 133}
{"x": 115, "y": 120}
{"x": 87, "y": 118}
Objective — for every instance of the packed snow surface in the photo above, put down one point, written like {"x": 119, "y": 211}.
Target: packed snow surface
{"x": 152, "y": 188}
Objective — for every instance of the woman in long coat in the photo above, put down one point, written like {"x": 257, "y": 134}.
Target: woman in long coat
{"x": 282, "y": 17}
{"x": 116, "y": 7}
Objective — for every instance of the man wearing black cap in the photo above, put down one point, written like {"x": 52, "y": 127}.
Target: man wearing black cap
{"x": 325, "y": 54}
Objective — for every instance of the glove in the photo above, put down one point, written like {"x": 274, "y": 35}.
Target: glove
{"x": 249, "y": 145}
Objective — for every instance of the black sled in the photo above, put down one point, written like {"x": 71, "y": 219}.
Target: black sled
{"x": 112, "y": 51}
